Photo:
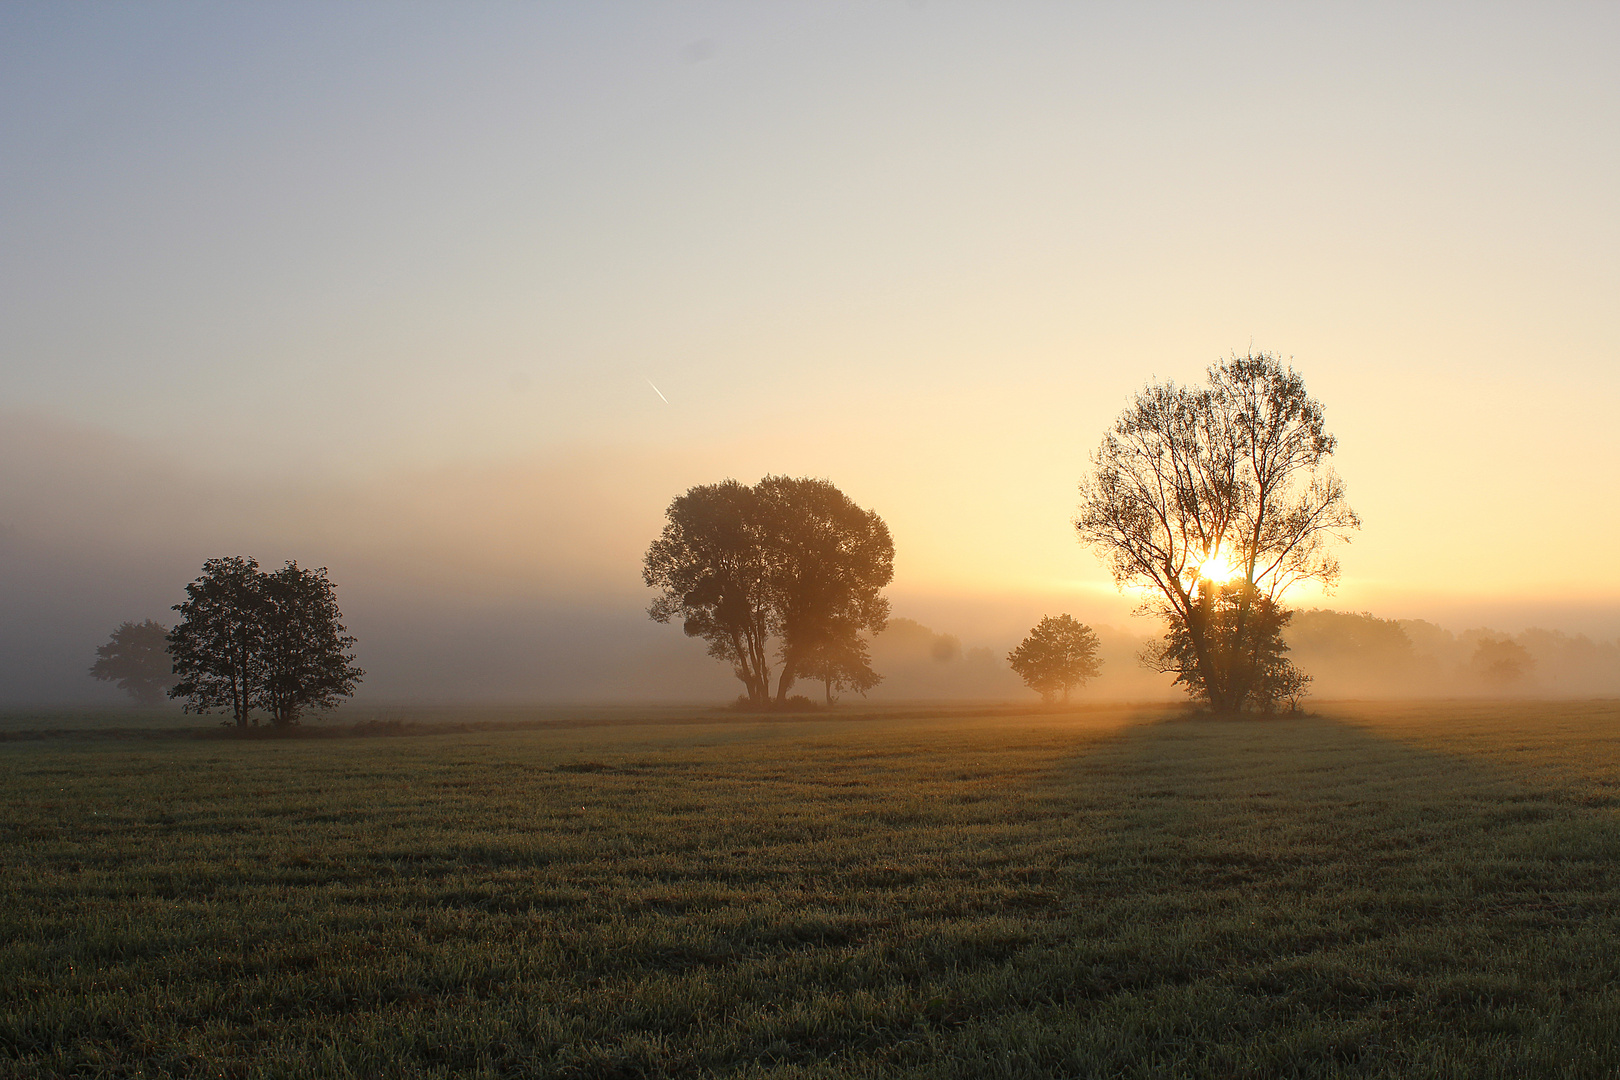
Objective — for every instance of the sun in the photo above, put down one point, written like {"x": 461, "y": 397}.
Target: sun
{"x": 1219, "y": 568}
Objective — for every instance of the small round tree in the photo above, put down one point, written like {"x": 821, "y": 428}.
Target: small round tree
{"x": 1058, "y": 654}
{"x": 136, "y": 658}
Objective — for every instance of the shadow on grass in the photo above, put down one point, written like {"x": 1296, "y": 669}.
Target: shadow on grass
{"x": 1010, "y": 893}
{"x": 1300, "y": 895}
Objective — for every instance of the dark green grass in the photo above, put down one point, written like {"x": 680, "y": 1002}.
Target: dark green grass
{"x": 1379, "y": 892}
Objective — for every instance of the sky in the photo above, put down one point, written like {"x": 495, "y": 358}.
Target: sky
{"x": 455, "y": 299}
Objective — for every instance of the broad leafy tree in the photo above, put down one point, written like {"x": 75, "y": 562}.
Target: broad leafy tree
{"x": 136, "y": 659}
{"x": 249, "y": 639}
{"x": 712, "y": 564}
{"x": 788, "y": 571}
{"x": 1059, "y": 653}
{"x": 308, "y": 657}
{"x": 218, "y": 644}
{"x": 830, "y": 561}
{"x": 1196, "y": 488}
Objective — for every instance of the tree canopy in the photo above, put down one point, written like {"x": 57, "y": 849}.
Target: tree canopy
{"x": 249, "y": 639}
{"x": 1245, "y": 651}
{"x": 1059, "y": 653}
{"x": 1501, "y": 662}
{"x": 788, "y": 571}
{"x": 1199, "y": 488}
{"x": 136, "y": 660}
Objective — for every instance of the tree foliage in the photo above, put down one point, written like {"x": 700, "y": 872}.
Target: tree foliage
{"x": 842, "y": 662}
{"x": 218, "y": 644}
{"x": 713, "y": 566}
{"x": 250, "y": 639}
{"x": 1233, "y": 475}
{"x": 788, "y": 571}
{"x": 1059, "y": 653}
{"x": 136, "y": 660}
{"x": 308, "y": 658}
{"x": 1245, "y": 664}
{"x": 1501, "y": 662}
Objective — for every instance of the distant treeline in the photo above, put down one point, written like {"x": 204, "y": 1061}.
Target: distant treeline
{"x": 1350, "y": 654}
{"x": 1359, "y": 654}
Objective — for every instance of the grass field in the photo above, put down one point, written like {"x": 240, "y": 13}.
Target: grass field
{"x": 1391, "y": 890}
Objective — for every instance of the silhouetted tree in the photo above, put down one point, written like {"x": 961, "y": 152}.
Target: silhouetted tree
{"x": 218, "y": 645}
{"x": 830, "y": 561}
{"x": 712, "y": 562}
{"x": 842, "y": 662}
{"x": 307, "y": 659}
{"x": 789, "y": 561}
{"x": 136, "y": 659}
{"x": 1288, "y": 686}
{"x": 1058, "y": 654}
{"x": 1244, "y": 662}
{"x": 249, "y": 639}
{"x": 1233, "y": 475}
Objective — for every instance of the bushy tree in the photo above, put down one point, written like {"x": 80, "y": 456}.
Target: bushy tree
{"x": 249, "y": 639}
{"x": 136, "y": 659}
{"x": 1245, "y": 660}
{"x": 308, "y": 662}
{"x": 843, "y": 662}
{"x": 831, "y": 560}
{"x": 790, "y": 563}
{"x": 713, "y": 566}
{"x": 1195, "y": 487}
{"x": 1059, "y": 653}
{"x": 218, "y": 644}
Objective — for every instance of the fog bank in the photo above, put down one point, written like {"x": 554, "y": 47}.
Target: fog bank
{"x": 519, "y": 581}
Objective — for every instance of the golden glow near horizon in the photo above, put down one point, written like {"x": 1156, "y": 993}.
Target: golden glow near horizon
{"x": 422, "y": 293}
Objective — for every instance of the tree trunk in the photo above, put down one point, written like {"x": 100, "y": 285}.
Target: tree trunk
{"x": 786, "y": 681}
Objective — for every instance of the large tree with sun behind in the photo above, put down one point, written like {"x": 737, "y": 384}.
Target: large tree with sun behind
{"x": 1217, "y": 500}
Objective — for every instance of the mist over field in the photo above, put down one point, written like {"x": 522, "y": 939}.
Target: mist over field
{"x": 520, "y": 583}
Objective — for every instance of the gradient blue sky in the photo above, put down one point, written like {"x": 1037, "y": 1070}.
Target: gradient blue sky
{"x": 408, "y": 269}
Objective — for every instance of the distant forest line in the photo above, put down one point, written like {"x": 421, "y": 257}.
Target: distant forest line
{"x": 1350, "y": 654}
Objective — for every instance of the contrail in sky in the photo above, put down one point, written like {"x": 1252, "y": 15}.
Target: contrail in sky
{"x": 657, "y": 391}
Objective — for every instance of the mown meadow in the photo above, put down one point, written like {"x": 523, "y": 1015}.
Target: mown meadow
{"x": 1424, "y": 890}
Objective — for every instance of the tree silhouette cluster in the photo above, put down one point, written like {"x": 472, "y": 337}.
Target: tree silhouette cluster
{"x": 1214, "y": 499}
{"x": 788, "y": 571}
{"x": 1217, "y": 500}
{"x": 1058, "y": 654}
{"x": 250, "y": 639}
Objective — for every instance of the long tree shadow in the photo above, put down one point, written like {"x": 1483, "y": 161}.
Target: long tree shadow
{"x": 1305, "y": 897}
